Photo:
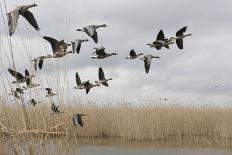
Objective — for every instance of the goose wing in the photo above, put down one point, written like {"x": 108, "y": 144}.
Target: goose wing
{"x": 101, "y": 75}
{"x": 13, "y": 17}
{"x": 77, "y": 120}
{"x": 132, "y": 53}
{"x": 30, "y": 18}
{"x": 54, "y": 43}
{"x": 147, "y": 64}
{"x": 78, "y": 80}
{"x": 40, "y": 64}
{"x": 181, "y": 31}
{"x": 80, "y": 122}
{"x": 15, "y": 74}
{"x": 160, "y": 35}
{"x": 49, "y": 90}
{"x": 179, "y": 43}
{"x": 26, "y": 73}
{"x": 76, "y": 46}
{"x": 35, "y": 64}
{"x": 90, "y": 30}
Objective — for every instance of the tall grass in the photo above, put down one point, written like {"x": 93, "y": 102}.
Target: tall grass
{"x": 208, "y": 125}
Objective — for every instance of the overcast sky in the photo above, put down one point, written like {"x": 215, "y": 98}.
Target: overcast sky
{"x": 187, "y": 75}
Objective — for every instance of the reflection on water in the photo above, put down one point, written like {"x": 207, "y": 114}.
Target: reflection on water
{"x": 64, "y": 146}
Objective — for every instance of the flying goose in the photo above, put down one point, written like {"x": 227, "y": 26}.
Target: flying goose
{"x": 100, "y": 53}
{"x": 21, "y": 10}
{"x": 133, "y": 55}
{"x": 77, "y": 120}
{"x": 32, "y": 102}
{"x": 49, "y": 92}
{"x": 58, "y": 47}
{"x": 179, "y": 37}
{"x": 40, "y": 60}
{"x": 76, "y": 45}
{"x": 161, "y": 41}
{"x": 55, "y": 109}
{"x": 20, "y": 78}
{"x": 147, "y": 61}
{"x": 29, "y": 80}
{"x": 102, "y": 79}
{"x": 84, "y": 85}
{"x": 90, "y": 30}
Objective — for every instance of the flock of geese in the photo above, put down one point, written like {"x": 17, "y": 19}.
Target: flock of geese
{"x": 59, "y": 49}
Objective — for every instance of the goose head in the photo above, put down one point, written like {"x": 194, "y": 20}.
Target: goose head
{"x": 79, "y": 30}
{"x": 128, "y": 57}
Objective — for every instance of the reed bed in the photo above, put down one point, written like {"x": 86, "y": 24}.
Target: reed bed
{"x": 210, "y": 125}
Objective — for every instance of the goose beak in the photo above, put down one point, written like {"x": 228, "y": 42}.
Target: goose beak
{"x": 149, "y": 44}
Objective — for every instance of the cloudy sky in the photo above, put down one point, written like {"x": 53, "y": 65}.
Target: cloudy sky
{"x": 179, "y": 75}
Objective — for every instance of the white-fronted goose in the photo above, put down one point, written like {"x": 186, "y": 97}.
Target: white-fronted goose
{"x": 55, "y": 109}
{"x": 76, "y": 45}
{"x": 161, "y": 41}
{"x": 90, "y": 30}
{"x": 87, "y": 85}
{"x": 77, "y": 120}
{"x": 78, "y": 82}
{"x": 32, "y": 102}
{"x": 21, "y": 10}
{"x": 133, "y": 55}
{"x": 29, "y": 80}
{"x": 100, "y": 53}
{"x": 147, "y": 61}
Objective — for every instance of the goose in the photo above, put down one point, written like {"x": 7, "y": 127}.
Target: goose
{"x": 90, "y": 30}
{"x": 101, "y": 54}
{"x": 19, "y": 90}
{"x": 77, "y": 120}
{"x": 84, "y": 85}
{"x": 55, "y": 109}
{"x": 21, "y": 10}
{"x": 58, "y": 47}
{"x": 161, "y": 41}
{"x": 49, "y": 92}
{"x": 133, "y": 55}
{"x": 40, "y": 60}
{"x": 29, "y": 80}
{"x": 32, "y": 102}
{"x": 76, "y": 45}
{"x": 20, "y": 78}
{"x": 179, "y": 37}
{"x": 102, "y": 79}
{"x": 87, "y": 85}
{"x": 147, "y": 61}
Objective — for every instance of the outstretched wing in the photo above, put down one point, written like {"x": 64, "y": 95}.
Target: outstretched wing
{"x": 160, "y": 35}
{"x": 90, "y": 30}
{"x": 13, "y": 17}
{"x": 54, "y": 43}
{"x": 78, "y": 79}
{"x": 15, "y": 74}
{"x": 101, "y": 75}
{"x": 181, "y": 31}
{"x": 179, "y": 43}
{"x": 147, "y": 64}
{"x": 80, "y": 122}
{"x": 40, "y": 64}
{"x": 30, "y": 18}
{"x": 132, "y": 53}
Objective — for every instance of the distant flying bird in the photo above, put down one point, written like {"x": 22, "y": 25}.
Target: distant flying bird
{"x": 133, "y": 55}
{"x": 32, "y": 102}
{"x": 39, "y": 59}
{"x": 147, "y": 61}
{"x": 55, "y": 109}
{"x": 100, "y": 53}
{"x": 84, "y": 85}
{"x": 76, "y": 45}
{"x": 49, "y": 92}
{"x": 77, "y": 120}
{"x": 161, "y": 41}
{"x": 21, "y": 10}
{"x": 179, "y": 37}
{"x": 102, "y": 79}
{"x": 58, "y": 47}
{"x": 90, "y": 30}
